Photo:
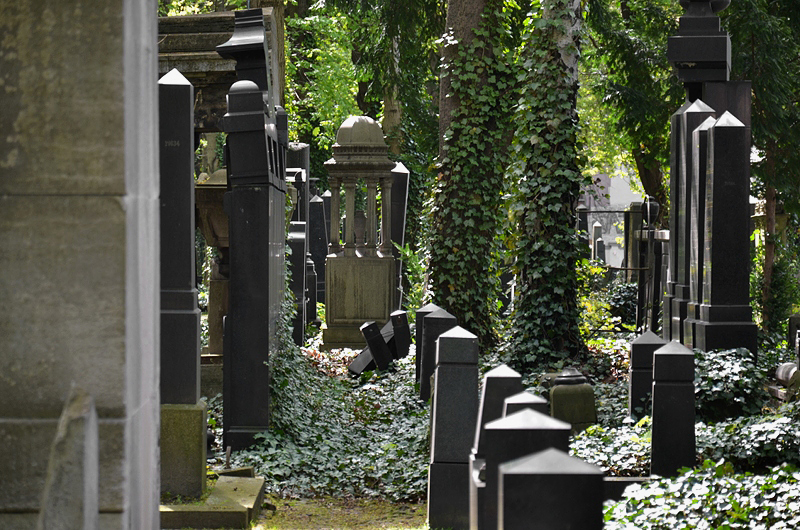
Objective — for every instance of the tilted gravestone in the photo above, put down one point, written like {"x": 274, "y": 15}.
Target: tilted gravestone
{"x": 673, "y": 441}
{"x": 550, "y": 490}
{"x": 377, "y": 346}
{"x": 433, "y": 325}
{"x": 640, "y": 381}
{"x": 454, "y": 405}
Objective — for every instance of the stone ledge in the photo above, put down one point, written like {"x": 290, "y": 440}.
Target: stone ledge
{"x": 233, "y": 503}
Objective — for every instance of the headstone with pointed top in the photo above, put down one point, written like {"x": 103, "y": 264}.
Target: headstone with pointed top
{"x": 433, "y": 325}
{"x": 454, "y": 405}
{"x": 318, "y": 240}
{"x": 549, "y": 490}
{"x": 640, "y": 383}
{"x": 673, "y": 441}
{"x": 418, "y": 318}
{"x": 525, "y": 400}
{"x": 725, "y": 313}
{"x": 511, "y": 437}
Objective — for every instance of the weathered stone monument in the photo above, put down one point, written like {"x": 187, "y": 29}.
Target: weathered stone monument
{"x": 257, "y": 140}
{"x": 183, "y": 415}
{"x": 79, "y": 270}
{"x": 360, "y": 282}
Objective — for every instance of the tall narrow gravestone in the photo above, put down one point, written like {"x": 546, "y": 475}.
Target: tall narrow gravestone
{"x": 419, "y": 316}
{"x": 433, "y": 325}
{"x": 455, "y": 405}
{"x": 183, "y": 415}
{"x": 725, "y": 314}
{"x": 640, "y": 383}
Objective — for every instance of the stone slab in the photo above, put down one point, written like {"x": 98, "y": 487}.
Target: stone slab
{"x": 183, "y": 449}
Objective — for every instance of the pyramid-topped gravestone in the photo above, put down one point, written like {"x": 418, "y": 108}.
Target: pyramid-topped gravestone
{"x": 525, "y": 400}
{"x": 433, "y": 325}
{"x": 457, "y": 346}
{"x": 419, "y": 316}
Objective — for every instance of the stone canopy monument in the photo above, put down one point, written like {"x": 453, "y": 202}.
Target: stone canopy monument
{"x": 359, "y": 272}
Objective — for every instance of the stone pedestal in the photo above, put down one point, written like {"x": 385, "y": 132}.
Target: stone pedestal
{"x": 183, "y": 449}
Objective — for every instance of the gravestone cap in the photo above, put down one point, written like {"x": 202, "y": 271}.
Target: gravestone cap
{"x": 525, "y": 400}
{"x": 502, "y": 371}
{"x": 457, "y": 346}
{"x": 360, "y": 130}
{"x": 570, "y": 376}
{"x": 550, "y": 461}
{"x": 698, "y": 106}
{"x": 728, "y": 120}
{"x": 648, "y": 337}
{"x": 173, "y": 77}
{"x": 439, "y": 314}
{"x": 673, "y": 362}
{"x": 527, "y": 419}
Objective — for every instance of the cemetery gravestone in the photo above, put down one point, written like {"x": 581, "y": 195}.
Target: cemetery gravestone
{"x": 640, "y": 383}
{"x": 673, "y": 441}
{"x": 572, "y": 400}
{"x": 401, "y": 334}
{"x": 433, "y": 325}
{"x": 525, "y": 400}
{"x": 297, "y": 264}
{"x": 183, "y": 415}
{"x": 318, "y": 241}
{"x": 454, "y": 405}
{"x": 419, "y": 316}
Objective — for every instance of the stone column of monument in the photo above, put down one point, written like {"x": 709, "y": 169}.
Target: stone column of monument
{"x": 359, "y": 278}
{"x": 79, "y": 272}
{"x": 183, "y": 415}
{"x": 257, "y": 140}
{"x": 691, "y": 117}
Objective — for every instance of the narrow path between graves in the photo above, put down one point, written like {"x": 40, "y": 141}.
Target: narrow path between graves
{"x": 330, "y": 513}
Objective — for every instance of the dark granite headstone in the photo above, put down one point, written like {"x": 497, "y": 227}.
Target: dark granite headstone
{"x": 640, "y": 383}
{"x": 257, "y": 140}
{"x": 299, "y": 156}
{"x": 180, "y": 316}
{"x": 326, "y": 200}
{"x": 377, "y": 346}
{"x": 418, "y": 318}
{"x": 311, "y": 292}
{"x": 454, "y": 405}
{"x": 363, "y": 362}
{"x": 725, "y": 314}
{"x": 318, "y": 240}
{"x": 297, "y": 265}
{"x": 673, "y": 441}
{"x": 401, "y": 334}
{"x": 698, "y": 226}
{"x": 583, "y": 229}
{"x": 515, "y": 436}
{"x": 525, "y": 400}
{"x": 691, "y": 118}
{"x": 632, "y": 223}
{"x": 550, "y": 490}
{"x": 600, "y": 250}
{"x": 400, "y": 183}
{"x": 433, "y": 325}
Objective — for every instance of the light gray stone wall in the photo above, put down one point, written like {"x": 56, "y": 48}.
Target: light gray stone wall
{"x": 79, "y": 233}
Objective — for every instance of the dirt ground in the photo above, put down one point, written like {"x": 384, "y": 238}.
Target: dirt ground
{"x": 340, "y": 514}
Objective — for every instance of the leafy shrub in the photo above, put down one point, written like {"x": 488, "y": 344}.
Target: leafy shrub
{"x": 622, "y": 300}
{"x": 611, "y": 401}
{"x": 622, "y": 451}
{"x": 728, "y": 384}
{"x": 710, "y": 497}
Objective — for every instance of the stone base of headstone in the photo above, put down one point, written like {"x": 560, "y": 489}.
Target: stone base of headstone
{"x": 183, "y": 449}
{"x": 357, "y": 290}
{"x": 690, "y": 324}
{"x": 679, "y": 311}
{"x": 180, "y": 359}
{"x": 726, "y": 327}
{"x": 448, "y": 495}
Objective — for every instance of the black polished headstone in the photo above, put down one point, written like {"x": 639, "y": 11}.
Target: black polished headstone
{"x": 511, "y": 437}
{"x": 499, "y": 383}
{"x": 377, "y": 346}
{"x": 673, "y": 440}
{"x": 299, "y": 156}
{"x": 433, "y": 325}
{"x": 640, "y": 383}
{"x": 401, "y": 334}
{"x": 418, "y": 317}
{"x": 311, "y": 292}
{"x": 297, "y": 265}
{"x": 180, "y": 316}
{"x": 525, "y": 400}
{"x": 400, "y": 183}
{"x": 550, "y": 490}
{"x": 318, "y": 240}
{"x": 725, "y": 314}
{"x": 363, "y": 362}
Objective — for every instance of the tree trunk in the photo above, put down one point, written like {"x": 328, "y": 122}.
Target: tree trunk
{"x": 652, "y": 181}
{"x": 769, "y": 251}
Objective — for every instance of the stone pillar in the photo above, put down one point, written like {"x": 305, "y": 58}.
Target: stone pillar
{"x": 640, "y": 381}
{"x": 725, "y": 314}
{"x": 79, "y": 270}
{"x": 633, "y": 223}
{"x": 433, "y": 325}
{"x": 698, "y": 225}
{"x": 673, "y": 442}
{"x": 454, "y": 405}
{"x": 583, "y": 228}
{"x": 318, "y": 241}
{"x": 597, "y": 233}
{"x": 183, "y": 415}
{"x": 550, "y": 490}
{"x": 400, "y": 183}
{"x": 690, "y": 119}
{"x": 297, "y": 264}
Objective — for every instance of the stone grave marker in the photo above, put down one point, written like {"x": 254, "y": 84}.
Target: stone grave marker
{"x": 525, "y": 400}
{"x": 433, "y": 325}
{"x": 640, "y": 383}
{"x": 419, "y": 316}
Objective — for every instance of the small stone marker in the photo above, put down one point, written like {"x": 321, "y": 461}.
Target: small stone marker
{"x": 572, "y": 400}
{"x": 673, "y": 442}
{"x": 513, "y": 437}
{"x": 641, "y": 371}
{"x": 525, "y": 400}
{"x": 549, "y": 490}
{"x": 433, "y": 325}
{"x": 454, "y": 405}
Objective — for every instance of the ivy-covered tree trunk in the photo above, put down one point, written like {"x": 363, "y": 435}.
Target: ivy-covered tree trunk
{"x": 466, "y": 209}
{"x": 548, "y": 183}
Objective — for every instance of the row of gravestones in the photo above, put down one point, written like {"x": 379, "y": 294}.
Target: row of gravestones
{"x": 513, "y": 470}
